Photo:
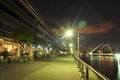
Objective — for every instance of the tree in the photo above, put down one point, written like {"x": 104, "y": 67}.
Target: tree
{"x": 24, "y": 35}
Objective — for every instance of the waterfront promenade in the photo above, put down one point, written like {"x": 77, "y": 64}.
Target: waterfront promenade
{"x": 55, "y": 68}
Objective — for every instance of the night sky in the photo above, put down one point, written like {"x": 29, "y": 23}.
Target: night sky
{"x": 102, "y": 17}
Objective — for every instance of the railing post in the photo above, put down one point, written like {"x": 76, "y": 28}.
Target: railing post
{"x": 78, "y": 64}
{"x": 82, "y": 68}
{"x": 87, "y": 73}
{"x": 85, "y": 70}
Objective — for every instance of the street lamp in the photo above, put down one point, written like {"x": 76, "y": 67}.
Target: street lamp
{"x": 71, "y": 48}
{"x": 69, "y": 33}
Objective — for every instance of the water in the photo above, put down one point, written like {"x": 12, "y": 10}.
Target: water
{"x": 107, "y": 65}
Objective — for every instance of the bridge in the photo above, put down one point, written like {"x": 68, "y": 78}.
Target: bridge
{"x": 102, "y": 49}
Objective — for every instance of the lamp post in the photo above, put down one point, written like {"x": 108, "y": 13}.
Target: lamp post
{"x": 71, "y": 48}
{"x": 78, "y": 41}
{"x": 69, "y": 33}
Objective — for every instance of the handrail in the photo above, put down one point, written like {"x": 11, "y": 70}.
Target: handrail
{"x": 88, "y": 72}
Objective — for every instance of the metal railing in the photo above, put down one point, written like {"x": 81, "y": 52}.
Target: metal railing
{"x": 88, "y": 73}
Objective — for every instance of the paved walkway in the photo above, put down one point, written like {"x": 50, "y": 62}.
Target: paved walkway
{"x": 57, "y": 68}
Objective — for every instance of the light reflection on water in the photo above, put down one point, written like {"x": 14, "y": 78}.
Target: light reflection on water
{"x": 107, "y": 65}
{"x": 118, "y": 62}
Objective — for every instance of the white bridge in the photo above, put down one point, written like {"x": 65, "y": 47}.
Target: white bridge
{"x": 101, "y": 48}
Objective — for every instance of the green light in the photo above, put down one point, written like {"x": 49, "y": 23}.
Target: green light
{"x": 82, "y": 24}
{"x": 49, "y": 45}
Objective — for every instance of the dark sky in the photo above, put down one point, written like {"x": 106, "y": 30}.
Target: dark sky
{"x": 102, "y": 17}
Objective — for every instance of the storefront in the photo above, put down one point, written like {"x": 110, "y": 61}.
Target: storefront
{"x": 9, "y": 45}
